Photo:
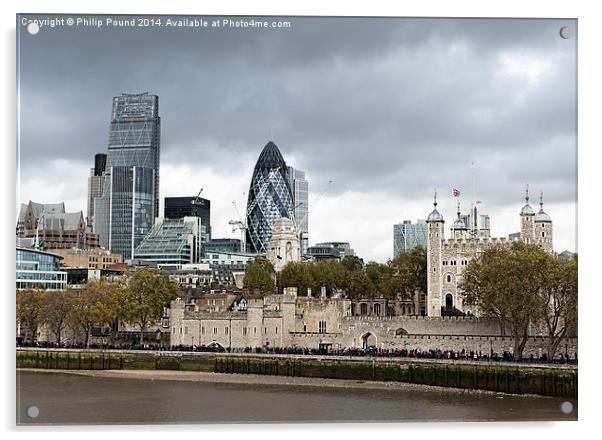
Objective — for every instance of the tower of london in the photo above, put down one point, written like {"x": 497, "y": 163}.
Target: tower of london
{"x": 448, "y": 258}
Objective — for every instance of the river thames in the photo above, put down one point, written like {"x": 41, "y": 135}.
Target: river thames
{"x": 167, "y": 398}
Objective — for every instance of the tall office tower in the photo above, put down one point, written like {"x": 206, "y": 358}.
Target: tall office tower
{"x": 135, "y": 135}
{"x": 95, "y": 184}
{"x": 125, "y": 212}
{"x": 270, "y": 197}
{"x": 300, "y": 189}
{"x": 407, "y": 236}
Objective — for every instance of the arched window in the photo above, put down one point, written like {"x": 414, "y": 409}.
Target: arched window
{"x": 376, "y": 309}
{"x": 363, "y": 309}
{"x": 448, "y": 278}
{"x": 352, "y": 309}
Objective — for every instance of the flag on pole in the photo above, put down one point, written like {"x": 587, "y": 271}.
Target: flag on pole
{"x": 456, "y": 193}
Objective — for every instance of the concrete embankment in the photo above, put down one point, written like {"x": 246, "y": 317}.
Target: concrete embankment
{"x": 507, "y": 378}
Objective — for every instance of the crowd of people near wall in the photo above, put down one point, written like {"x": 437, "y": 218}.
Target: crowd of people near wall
{"x": 563, "y": 358}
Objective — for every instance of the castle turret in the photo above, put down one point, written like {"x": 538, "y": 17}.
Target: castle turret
{"x": 459, "y": 229}
{"x": 527, "y": 221}
{"x": 435, "y": 225}
{"x": 543, "y": 227}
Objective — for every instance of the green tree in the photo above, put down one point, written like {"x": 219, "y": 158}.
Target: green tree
{"x": 558, "y": 302}
{"x": 359, "y": 285}
{"x": 147, "y": 291}
{"x": 352, "y": 263}
{"x": 379, "y": 274}
{"x": 112, "y": 306}
{"x": 505, "y": 282}
{"x": 84, "y": 313}
{"x": 260, "y": 275}
{"x": 58, "y": 307}
{"x": 295, "y": 274}
{"x": 327, "y": 273}
{"x": 407, "y": 274}
{"x": 31, "y": 305}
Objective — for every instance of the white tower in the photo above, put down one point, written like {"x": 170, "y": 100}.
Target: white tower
{"x": 435, "y": 225}
{"x": 527, "y": 221}
{"x": 283, "y": 246}
{"x": 543, "y": 228}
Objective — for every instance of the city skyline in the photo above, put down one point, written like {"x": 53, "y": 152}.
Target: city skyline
{"x": 376, "y": 113}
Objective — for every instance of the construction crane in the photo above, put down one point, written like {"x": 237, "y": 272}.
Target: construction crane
{"x": 242, "y": 226}
{"x": 195, "y": 203}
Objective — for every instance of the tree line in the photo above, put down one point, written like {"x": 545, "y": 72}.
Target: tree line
{"x": 138, "y": 298}
{"x": 398, "y": 278}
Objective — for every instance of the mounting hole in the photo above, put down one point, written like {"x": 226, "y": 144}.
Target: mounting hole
{"x": 33, "y": 412}
{"x": 566, "y": 407}
{"x": 566, "y": 32}
{"x": 33, "y": 28}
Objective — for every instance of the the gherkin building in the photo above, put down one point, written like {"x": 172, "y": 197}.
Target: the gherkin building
{"x": 270, "y": 197}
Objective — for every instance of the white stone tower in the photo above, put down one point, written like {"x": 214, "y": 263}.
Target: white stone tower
{"x": 543, "y": 228}
{"x": 527, "y": 221}
{"x": 459, "y": 229}
{"x": 283, "y": 246}
{"x": 435, "y": 225}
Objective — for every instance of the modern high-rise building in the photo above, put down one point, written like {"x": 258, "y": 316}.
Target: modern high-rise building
{"x": 180, "y": 207}
{"x": 270, "y": 197}
{"x": 124, "y": 214}
{"x": 129, "y": 204}
{"x": 135, "y": 135}
{"x": 407, "y": 236}
{"x": 300, "y": 189}
{"x": 172, "y": 243}
{"x": 95, "y": 184}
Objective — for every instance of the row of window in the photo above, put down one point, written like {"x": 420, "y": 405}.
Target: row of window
{"x": 455, "y": 263}
{"x": 227, "y": 329}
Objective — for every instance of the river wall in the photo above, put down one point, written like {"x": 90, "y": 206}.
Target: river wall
{"x": 505, "y": 378}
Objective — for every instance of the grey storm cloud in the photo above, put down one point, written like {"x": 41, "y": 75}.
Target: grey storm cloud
{"x": 390, "y": 104}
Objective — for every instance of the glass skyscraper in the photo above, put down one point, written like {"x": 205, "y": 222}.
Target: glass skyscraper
{"x": 125, "y": 212}
{"x": 407, "y": 236}
{"x": 300, "y": 189}
{"x": 135, "y": 135}
{"x": 270, "y": 197}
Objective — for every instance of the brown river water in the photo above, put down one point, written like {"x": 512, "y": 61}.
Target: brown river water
{"x": 67, "y": 399}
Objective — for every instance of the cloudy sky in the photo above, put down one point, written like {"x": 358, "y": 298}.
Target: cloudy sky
{"x": 387, "y": 109}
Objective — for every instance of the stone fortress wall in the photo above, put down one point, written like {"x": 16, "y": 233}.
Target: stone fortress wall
{"x": 290, "y": 321}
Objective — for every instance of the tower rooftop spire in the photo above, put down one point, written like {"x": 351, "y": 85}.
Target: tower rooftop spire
{"x": 527, "y": 210}
{"x": 435, "y": 216}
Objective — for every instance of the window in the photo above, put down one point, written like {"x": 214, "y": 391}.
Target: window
{"x": 376, "y": 309}
{"x": 543, "y": 234}
{"x": 322, "y": 327}
{"x": 276, "y": 330}
{"x": 448, "y": 278}
{"x": 363, "y": 309}
{"x": 244, "y": 331}
{"x": 254, "y": 330}
{"x": 215, "y": 330}
{"x": 225, "y": 330}
{"x": 202, "y": 330}
{"x": 304, "y": 328}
